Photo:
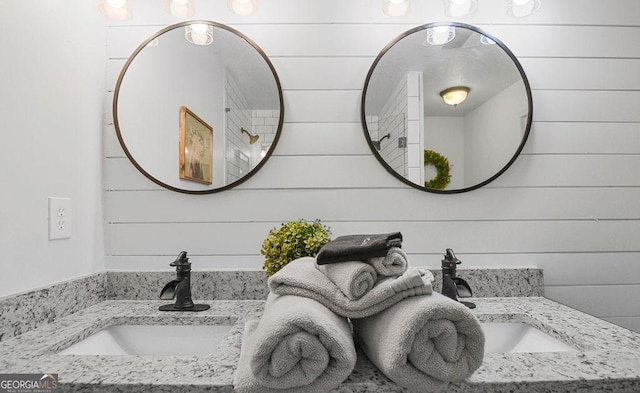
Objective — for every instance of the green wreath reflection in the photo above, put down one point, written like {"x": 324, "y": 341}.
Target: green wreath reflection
{"x": 440, "y": 162}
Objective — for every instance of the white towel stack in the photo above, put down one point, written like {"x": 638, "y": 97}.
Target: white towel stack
{"x": 304, "y": 341}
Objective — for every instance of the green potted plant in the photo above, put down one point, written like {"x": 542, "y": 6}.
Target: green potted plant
{"x": 294, "y": 239}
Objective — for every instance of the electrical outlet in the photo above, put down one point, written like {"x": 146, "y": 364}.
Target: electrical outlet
{"x": 59, "y": 218}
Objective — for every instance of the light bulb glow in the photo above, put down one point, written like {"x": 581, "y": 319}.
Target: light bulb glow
{"x": 460, "y": 8}
{"x": 242, "y": 7}
{"x": 116, "y": 9}
{"x": 395, "y": 7}
{"x": 116, "y": 3}
{"x": 199, "y": 33}
{"x": 522, "y": 8}
{"x": 440, "y": 35}
{"x": 182, "y": 9}
{"x": 486, "y": 40}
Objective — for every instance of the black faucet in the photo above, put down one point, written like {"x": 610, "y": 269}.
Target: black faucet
{"x": 180, "y": 288}
{"x": 454, "y": 287}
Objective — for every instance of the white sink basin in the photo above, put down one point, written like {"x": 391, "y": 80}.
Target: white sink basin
{"x": 151, "y": 340}
{"x": 501, "y": 337}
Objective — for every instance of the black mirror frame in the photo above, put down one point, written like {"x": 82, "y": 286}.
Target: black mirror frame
{"x": 515, "y": 62}
{"x": 117, "y": 91}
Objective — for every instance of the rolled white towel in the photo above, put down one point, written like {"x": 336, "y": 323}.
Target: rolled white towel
{"x": 393, "y": 264}
{"x": 301, "y": 278}
{"x": 422, "y": 343}
{"x": 297, "y": 346}
{"x": 355, "y": 279}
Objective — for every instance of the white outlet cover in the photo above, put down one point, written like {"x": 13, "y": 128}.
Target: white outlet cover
{"x": 59, "y": 218}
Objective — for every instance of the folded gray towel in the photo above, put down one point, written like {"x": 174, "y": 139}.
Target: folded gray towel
{"x": 297, "y": 346}
{"x": 301, "y": 278}
{"x": 358, "y": 247}
{"x": 393, "y": 264}
{"x": 355, "y": 279}
{"x": 422, "y": 343}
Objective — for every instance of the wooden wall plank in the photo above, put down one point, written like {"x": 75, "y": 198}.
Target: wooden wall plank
{"x": 599, "y": 300}
{"x": 366, "y": 40}
{"x": 362, "y": 205}
{"x": 364, "y": 171}
{"x": 560, "y": 73}
{"x": 348, "y": 138}
{"x": 583, "y": 138}
{"x": 349, "y": 73}
{"x": 419, "y": 237}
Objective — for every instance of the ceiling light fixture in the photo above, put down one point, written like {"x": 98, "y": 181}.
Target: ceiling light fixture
{"x": 395, "y": 7}
{"x": 180, "y": 8}
{"x": 116, "y": 9}
{"x": 440, "y": 35}
{"x": 522, "y": 8}
{"x": 454, "y": 95}
{"x": 199, "y": 33}
{"x": 460, "y": 8}
{"x": 242, "y": 7}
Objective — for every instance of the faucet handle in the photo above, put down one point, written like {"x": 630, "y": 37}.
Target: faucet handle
{"x": 181, "y": 260}
{"x": 450, "y": 259}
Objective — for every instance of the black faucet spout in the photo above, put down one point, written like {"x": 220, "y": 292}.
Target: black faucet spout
{"x": 454, "y": 287}
{"x": 180, "y": 288}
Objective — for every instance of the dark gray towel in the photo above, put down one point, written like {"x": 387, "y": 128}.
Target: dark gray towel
{"x": 358, "y": 247}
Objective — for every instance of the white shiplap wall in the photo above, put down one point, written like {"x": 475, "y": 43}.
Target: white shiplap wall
{"x": 569, "y": 204}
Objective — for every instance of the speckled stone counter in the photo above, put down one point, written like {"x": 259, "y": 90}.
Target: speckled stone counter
{"x": 606, "y": 357}
{"x": 25, "y": 311}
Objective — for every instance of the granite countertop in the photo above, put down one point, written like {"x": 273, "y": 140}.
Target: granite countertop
{"x": 607, "y": 357}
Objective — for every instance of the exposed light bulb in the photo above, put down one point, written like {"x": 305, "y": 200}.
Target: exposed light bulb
{"x": 242, "y": 7}
{"x": 199, "y": 33}
{"x": 460, "y": 8}
{"x": 180, "y": 8}
{"x": 116, "y": 9}
{"x": 440, "y": 35}
{"x": 395, "y": 7}
{"x": 522, "y": 8}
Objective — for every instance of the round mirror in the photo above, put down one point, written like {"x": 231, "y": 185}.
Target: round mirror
{"x": 198, "y": 107}
{"x": 446, "y": 108}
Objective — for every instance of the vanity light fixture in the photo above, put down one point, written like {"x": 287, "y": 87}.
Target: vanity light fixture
{"x": 395, "y": 7}
{"x": 199, "y": 33}
{"x": 116, "y": 9}
{"x": 242, "y": 7}
{"x": 460, "y": 8}
{"x": 179, "y": 8}
{"x": 440, "y": 35}
{"x": 454, "y": 95}
{"x": 153, "y": 43}
{"x": 522, "y": 8}
{"x": 252, "y": 138}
